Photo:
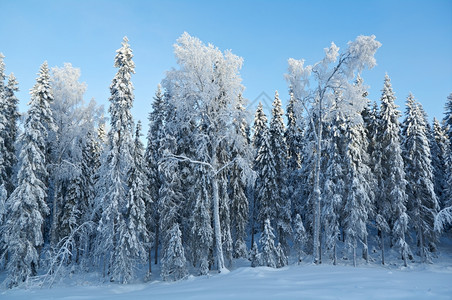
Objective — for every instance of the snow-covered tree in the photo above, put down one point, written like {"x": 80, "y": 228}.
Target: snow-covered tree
{"x": 118, "y": 162}
{"x": 259, "y": 128}
{"x": 358, "y": 196}
{"x": 448, "y": 117}
{"x": 132, "y": 228}
{"x": 201, "y": 221}
{"x": 331, "y": 75}
{"x": 269, "y": 256}
{"x": 299, "y": 237}
{"x": 241, "y": 151}
{"x": 334, "y": 186}
{"x": 267, "y": 188}
{"x": 9, "y": 111}
{"x": 152, "y": 157}
{"x": 69, "y": 185}
{"x": 294, "y": 140}
{"x": 422, "y": 204}
{"x": 204, "y": 93}
{"x": 440, "y": 150}
{"x": 392, "y": 198}
{"x": 283, "y": 205}
{"x": 174, "y": 264}
{"x": 27, "y": 206}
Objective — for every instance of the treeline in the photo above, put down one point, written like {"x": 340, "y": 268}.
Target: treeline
{"x": 333, "y": 172}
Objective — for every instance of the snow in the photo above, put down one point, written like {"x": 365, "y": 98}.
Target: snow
{"x": 306, "y": 281}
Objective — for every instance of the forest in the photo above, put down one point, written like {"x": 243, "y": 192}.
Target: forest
{"x": 333, "y": 176}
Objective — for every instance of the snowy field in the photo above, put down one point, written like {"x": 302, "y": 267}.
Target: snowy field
{"x": 305, "y": 281}
{"x": 293, "y": 282}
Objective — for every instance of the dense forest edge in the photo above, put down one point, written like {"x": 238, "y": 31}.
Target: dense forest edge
{"x": 334, "y": 176}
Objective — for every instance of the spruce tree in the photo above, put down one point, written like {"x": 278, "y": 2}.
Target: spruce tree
{"x": 278, "y": 146}
{"x": 266, "y": 181}
{"x": 132, "y": 231}
{"x": 269, "y": 255}
{"x": 448, "y": 117}
{"x": 300, "y": 238}
{"x": 259, "y": 128}
{"x": 152, "y": 157}
{"x": 27, "y": 204}
{"x": 358, "y": 194}
{"x": 174, "y": 264}
{"x": 422, "y": 205}
{"x": 334, "y": 185}
{"x": 392, "y": 199}
{"x": 119, "y": 161}
{"x": 294, "y": 140}
{"x": 440, "y": 151}
{"x": 11, "y": 129}
{"x": 241, "y": 152}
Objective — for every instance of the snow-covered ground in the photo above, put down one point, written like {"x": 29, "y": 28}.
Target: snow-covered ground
{"x": 293, "y": 282}
{"x": 305, "y": 281}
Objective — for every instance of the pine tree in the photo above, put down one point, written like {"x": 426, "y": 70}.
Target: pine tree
{"x": 422, "y": 205}
{"x": 27, "y": 206}
{"x": 254, "y": 256}
{"x": 392, "y": 199}
{"x": 119, "y": 161}
{"x": 278, "y": 146}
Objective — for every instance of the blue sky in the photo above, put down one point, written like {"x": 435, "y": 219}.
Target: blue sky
{"x": 416, "y": 38}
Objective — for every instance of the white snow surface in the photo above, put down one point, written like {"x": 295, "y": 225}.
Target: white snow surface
{"x": 304, "y": 281}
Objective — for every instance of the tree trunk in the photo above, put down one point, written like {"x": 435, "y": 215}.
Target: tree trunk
{"x": 365, "y": 250}
{"x": 354, "y": 256}
{"x": 150, "y": 260}
{"x": 54, "y": 226}
{"x": 217, "y": 226}
{"x": 317, "y": 195}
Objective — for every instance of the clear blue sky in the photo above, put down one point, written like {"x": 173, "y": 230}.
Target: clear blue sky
{"x": 416, "y": 38}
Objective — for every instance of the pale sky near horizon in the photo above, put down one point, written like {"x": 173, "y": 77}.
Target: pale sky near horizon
{"x": 416, "y": 38}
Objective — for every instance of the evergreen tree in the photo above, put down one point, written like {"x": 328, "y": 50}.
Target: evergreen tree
{"x": 201, "y": 224}
{"x": 294, "y": 141}
{"x": 269, "y": 255}
{"x": 119, "y": 160}
{"x": 132, "y": 231}
{"x": 152, "y": 158}
{"x": 334, "y": 185}
{"x": 448, "y": 117}
{"x": 266, "y": 182}
{"x": 240, "y": 151}
{"x": 11, "y": 129}
{"x": 440, "y": 151}
{"x": 278, "y": 146}
{"x": 259, "y": 128}
{"x": 358, "y": 196}
{"x": 254, "y": 256}
{"x": 174, "y": 265}
{"x": 422, "y": 205}
{"x": 300, "y": 238}
{"x": 392, "y": 199}
{"x": 27, "y": 206}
